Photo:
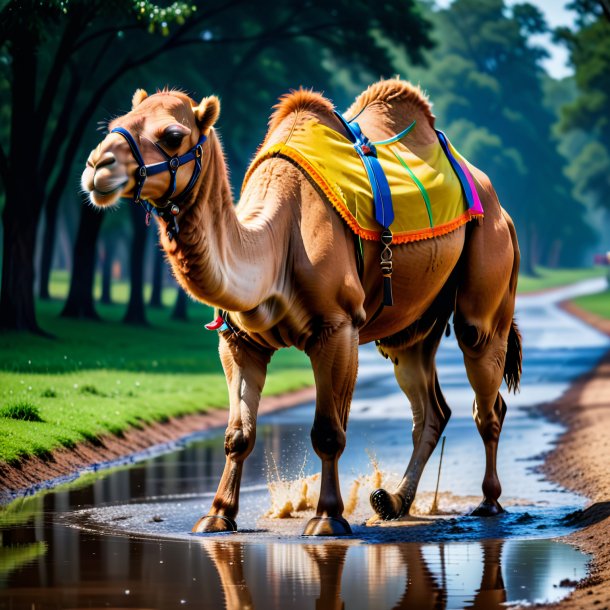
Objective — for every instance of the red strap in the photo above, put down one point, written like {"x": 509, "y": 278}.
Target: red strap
{"x": 216, "y": 324}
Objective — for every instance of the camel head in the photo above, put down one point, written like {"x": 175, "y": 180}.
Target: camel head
{"x": 167, "y": 122}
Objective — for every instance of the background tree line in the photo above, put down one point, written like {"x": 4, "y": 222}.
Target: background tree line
{"x": 66, "y": 66}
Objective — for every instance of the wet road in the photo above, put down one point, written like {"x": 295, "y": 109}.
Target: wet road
{"x": 120, "y": 538}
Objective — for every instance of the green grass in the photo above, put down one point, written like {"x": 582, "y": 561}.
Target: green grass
{"x": 96, "y": 378}
{"x": 554, "y": 278}
{"x": 599, "y": 303}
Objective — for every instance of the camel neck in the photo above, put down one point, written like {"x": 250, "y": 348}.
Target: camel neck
{"x": 216, "y": 258}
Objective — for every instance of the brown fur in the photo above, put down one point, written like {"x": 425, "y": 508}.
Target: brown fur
{"x": 393, "y": 91}
{"x": 283, "y": 263}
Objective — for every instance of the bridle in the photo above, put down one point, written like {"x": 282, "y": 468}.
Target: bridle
{"x": 169, "y": 210}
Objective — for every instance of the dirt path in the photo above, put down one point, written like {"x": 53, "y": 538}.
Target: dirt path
{"x": 34, "y": 473}
{"x": 581, "y": 462}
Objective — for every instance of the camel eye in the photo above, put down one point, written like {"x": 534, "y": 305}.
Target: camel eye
{"x": 172, "y": 138}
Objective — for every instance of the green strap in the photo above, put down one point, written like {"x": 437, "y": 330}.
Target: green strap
{"x": 419, "y": 185}
{"x": 397, "y": 137}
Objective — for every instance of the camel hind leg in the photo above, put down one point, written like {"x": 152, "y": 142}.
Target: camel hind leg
{"x": 416, "y": 374}
{"x": 486, "y": 333}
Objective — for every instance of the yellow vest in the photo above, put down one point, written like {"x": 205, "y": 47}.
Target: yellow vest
{"x": 333, "y": 166}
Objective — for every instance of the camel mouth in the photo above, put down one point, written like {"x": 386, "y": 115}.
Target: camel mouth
{"x": 103, "y": 189}
{"x": 106, "y": 198}
{"x": 111, "y": 191}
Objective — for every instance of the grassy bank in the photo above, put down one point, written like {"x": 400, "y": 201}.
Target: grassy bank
{"x": 96, "y": 378}
{"x": 598, "y": 304}
{"x": 554, "y": 278}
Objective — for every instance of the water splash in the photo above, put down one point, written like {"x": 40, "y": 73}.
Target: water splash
{"x": 290, "y": 495}
{"x": 296, "y": 497}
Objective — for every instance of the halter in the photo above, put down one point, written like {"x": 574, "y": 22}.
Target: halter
{"x": 169, "y": 211}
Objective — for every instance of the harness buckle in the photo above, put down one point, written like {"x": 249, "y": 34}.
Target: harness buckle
{"x": 368, "y": 149}
{"x": 174, "y": 163}
{"x": 199, "y": 151}
{"x": 143, "y": 171}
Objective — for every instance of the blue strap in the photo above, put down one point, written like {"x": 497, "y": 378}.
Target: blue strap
{"x": 132, "y": 144}
{"x": 384, "y": 210}
{"x": 457, "y": 168}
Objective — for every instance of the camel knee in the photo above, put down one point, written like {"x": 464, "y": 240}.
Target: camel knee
{"x": 328, "y": 438}
{"x": 238, "y": 443}
{"x": 489, "y": 420}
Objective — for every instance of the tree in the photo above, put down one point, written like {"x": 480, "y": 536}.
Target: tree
{"x": 486, "y": 83}
{"x": 48, "y": 113}
{"x": 79, "y": 303}
{"x": 589, "y": 46}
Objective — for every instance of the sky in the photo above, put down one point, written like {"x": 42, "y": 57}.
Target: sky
{"x": 556, "y": 14}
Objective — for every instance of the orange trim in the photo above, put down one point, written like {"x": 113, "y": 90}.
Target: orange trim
{"x": 280, "y": 150}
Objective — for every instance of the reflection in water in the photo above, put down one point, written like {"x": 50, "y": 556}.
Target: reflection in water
{"x": 336, "y": 575}
{"x": 50, "y": 560}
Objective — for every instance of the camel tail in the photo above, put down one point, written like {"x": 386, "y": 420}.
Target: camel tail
{"x": 514, "y": 356}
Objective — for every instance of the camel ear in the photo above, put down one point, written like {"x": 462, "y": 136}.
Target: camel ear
{"x": 207, "y": 112}
{"x": 138, "y": 97}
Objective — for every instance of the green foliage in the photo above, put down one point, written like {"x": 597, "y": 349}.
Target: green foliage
{"x": 589, "y": 46}
{"x": 159, "y": 17}
{"x": 22, "y": 410}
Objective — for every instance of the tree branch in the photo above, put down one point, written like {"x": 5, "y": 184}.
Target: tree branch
{"x": 61, "y": 127}
{"x": 112, "y": 29}
{"x": 64, "y": 50}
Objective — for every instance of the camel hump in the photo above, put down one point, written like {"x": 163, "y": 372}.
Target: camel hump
{"x": 393, "y": 91}
{"x": 299, "y": 101}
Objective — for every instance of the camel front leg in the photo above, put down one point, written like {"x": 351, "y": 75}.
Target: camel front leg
{"x": 245, "y": 368}
{"x": 335, "y": 365}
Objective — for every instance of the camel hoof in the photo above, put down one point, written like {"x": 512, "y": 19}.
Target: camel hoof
{"x": 387, "y": 506}
{"x": 487, "y": 508}
{"x": 327, "y": 526}
{"x": 214, "y": 523}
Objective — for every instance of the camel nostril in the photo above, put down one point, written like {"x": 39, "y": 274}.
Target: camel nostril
{"x": 106, "y": 159}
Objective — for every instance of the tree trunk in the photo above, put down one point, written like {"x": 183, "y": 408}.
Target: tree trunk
{"x": 23, "y": 194}
{"x": 17, "y": 311}
{"x": 158, "y": 273}
{"x": 181, "y": 306}
{"x": 46, "y": 252}
{"x": 108, "y": 259}
{"x": 135, "y": 309}
{"x": 79, "y": 303}
{"x": 529, "y": 259}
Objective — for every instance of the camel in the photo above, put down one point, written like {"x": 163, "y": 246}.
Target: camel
{"x": 283, "y": 264}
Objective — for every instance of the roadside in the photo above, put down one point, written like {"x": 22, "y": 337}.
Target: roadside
{"x": 579, "y": 463}
{"x": 34, "y": 473}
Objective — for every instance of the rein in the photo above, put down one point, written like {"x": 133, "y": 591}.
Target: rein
{"x": 169, "y": 210}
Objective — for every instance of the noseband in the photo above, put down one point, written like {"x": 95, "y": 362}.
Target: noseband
{"x": 169, "y": 210}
